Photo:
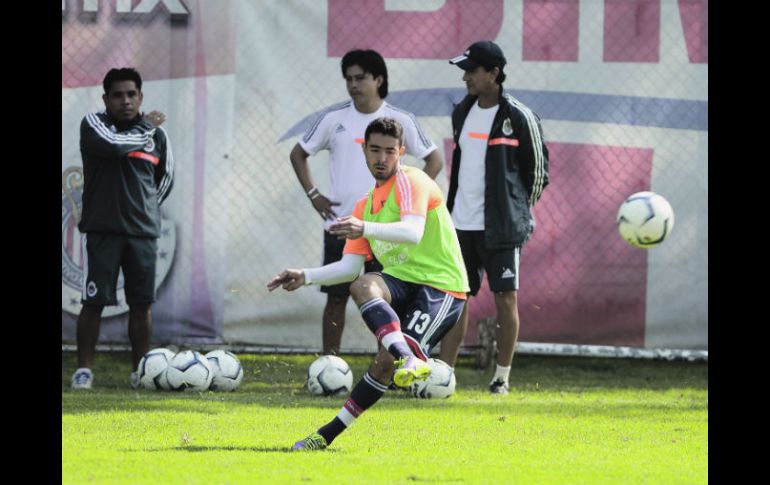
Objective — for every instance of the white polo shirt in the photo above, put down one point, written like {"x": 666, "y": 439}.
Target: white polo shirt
{"x": 340, "y": 129}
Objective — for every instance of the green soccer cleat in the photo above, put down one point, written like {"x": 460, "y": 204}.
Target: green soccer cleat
{"x": 313, "y": 442}
{"x": 410, "y": 369}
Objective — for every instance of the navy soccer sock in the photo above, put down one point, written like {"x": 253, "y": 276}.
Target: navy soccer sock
{"x": 366, "y": 393}
{"x": 386, "y": 326}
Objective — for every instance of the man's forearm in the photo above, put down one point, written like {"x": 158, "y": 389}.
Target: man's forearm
{"x": 344, "y": 270}
{"x": 408, "y": 230}
{"x": 433, "y": 164}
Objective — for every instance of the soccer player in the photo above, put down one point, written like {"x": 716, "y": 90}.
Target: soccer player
{"x": 499, "y": 171}
{"x": 128, "y": 172}
{"x": 420, "y": 292}
{"x": 340, "y": 129}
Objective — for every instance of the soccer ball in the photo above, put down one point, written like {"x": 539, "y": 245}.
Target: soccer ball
{"x": 329, "y": 375}
{"x": 645, "y": 219}
{"x": 440, "y": 384}
{"x": 152, "y": 368}
{"x": 228, "y": 373}
{"x": 189, "y": 369}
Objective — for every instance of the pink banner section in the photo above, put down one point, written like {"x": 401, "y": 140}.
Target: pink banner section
{"x": 631, "y": 30}
{"x": 580, "y": 283}
{"x": 695, "y": 23}
{"x": 442, "y": 33}
{"x": 155, "y": 43}
{"x": 551, "y": 30}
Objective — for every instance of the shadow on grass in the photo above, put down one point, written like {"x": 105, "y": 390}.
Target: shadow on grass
{"x": 203, "y": 449}
{"x": 482, "y": 404}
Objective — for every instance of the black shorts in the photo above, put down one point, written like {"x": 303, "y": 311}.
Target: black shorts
{"x": 105, "y": 254}
{"x": 426, "y": 313}
{"x": 501, "y": 265}
{"x": 333, "y": 247}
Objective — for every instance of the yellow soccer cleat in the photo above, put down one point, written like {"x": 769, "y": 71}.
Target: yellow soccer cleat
{"x": 410, "y": 369}
{"x": 313, "y": 442}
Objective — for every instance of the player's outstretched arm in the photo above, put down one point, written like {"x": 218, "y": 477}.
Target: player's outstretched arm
{"x": 342, "y": 271}
{"x": 289, "y": 279}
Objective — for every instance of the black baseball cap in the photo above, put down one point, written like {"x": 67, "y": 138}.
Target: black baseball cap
{"x": 482, "y": 53}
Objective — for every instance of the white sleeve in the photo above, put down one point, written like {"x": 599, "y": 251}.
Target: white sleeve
{"x": 316, "y": 138}
{"x": 346, "y": 269}
{"x": 408, "y": 230}
{"x": 417, "y": 142}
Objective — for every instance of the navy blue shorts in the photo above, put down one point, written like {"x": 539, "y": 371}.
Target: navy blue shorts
{"x": 426, "y": 314}
{"x": 333, "y": 247}
{"x": 501, "y": 265}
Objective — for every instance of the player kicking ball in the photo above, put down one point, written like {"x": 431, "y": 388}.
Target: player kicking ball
{"x": 419, "y": 295}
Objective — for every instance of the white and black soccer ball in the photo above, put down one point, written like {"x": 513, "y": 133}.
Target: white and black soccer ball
{"x": 645, "y": 219}
{"x": 329, "y": 375}
{"x": 439, "y": 385}
{"x": 189, "y": 370}
{"x": 152, "y": 368}
{"x": 228, "y": 372}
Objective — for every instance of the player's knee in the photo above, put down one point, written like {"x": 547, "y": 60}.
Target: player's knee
{"x": 506, "y": 297}
{"x": 364, "y": 289}
{"x": 139, "y": 309}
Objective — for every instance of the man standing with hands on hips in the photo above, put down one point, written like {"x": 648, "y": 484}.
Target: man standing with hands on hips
{"x": 499, "y": 171}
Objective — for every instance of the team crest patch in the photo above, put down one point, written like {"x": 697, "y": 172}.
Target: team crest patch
{"x": 507, "y": 127}
{"x": 72, "y": 250}
{"x": 150, "y": 146}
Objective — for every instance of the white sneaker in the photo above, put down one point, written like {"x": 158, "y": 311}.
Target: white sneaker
{"x": 134, "y": 380}
{"x": 82, "y": 378}
{"x": 498, "y": 386}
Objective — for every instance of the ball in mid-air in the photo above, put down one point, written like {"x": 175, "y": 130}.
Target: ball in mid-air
{"x": 645, "y": 219}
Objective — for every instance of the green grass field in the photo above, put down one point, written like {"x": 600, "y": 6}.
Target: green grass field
{"x": 566, "y": 420}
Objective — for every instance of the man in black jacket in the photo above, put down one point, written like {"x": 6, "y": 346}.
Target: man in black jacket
{"x": 128, "y": 172}
{"x": 499, "y": 170}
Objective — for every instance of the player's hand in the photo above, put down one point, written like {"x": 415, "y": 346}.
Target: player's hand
{"x": 155, "y": 117}
{"x": 289, "y": 279}
{"x": 323, "y": 206}
{"x": 347, "y": 227}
